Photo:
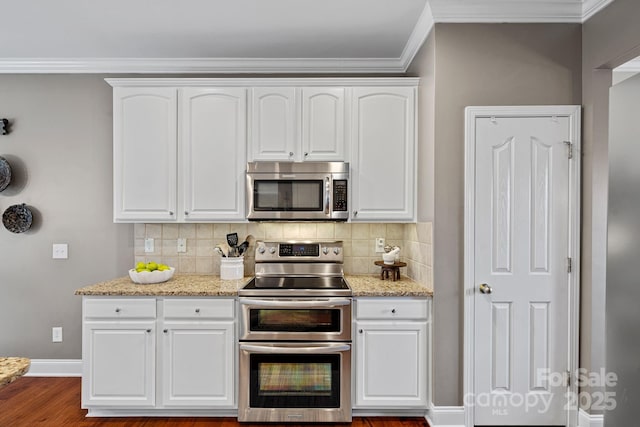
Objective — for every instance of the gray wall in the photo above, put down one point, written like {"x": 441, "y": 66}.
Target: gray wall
{"x": 60, "y": 152}
{"x": 610, "y": 38}
{"x": 481, "y": 64}
{"x": 623, "y": 292}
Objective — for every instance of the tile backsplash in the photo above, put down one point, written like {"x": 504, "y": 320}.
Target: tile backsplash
{"x": 359, "y": 246}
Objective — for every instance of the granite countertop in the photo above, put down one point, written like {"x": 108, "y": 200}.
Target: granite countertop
{"x": 12, "y": 368}
{"x": 212, "y": 285}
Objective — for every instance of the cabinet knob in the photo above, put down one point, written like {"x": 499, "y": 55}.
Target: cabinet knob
{"x": 117, "y": 310}
{"x": 355, "y": 213}
{"x": 171, "y": 213}
{"x": 148, "y": 330}
{"x": 306, "y": 154}
{"x": 360, "y": 331}
{"x": 290, "y": 153}
{"x": 186, "y": 212}
{"x": 197, "y": 310}
{"x": 165, "y": 331}
{"x": 393, "y": 310}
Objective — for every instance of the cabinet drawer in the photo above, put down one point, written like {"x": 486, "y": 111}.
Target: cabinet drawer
{"x": 391, "y": 308}
{"x": 120, "y": 308}
{"x": 199, "y": 308}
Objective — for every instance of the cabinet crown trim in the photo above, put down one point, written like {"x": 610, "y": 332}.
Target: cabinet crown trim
{"x": 263, "y": 82}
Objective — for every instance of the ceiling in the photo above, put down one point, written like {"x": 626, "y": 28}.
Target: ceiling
{"x": 244, "y": 36}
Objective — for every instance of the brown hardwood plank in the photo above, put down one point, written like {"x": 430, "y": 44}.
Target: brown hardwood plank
{"x": 54, "y": 402}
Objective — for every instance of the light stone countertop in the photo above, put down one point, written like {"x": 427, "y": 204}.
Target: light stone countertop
{"x": 12, "y": 368}
{"x": 212, "y": 285}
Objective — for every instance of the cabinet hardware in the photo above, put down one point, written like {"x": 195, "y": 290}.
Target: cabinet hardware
{"x": 171, "y": 213}
{"x": 186, "y": 212}
{"x": 306, "y": 154}
{"x": 360, "y": 331}
{"x": 197, "y": 310}
{"x": 393, "y": 310}
{"x": 165, "y": 331}
{"x": 290, "y": 153}
{"x": 148, "y": 330}
{"x": 355, "y": 213}
{"x": 117, "y": 310}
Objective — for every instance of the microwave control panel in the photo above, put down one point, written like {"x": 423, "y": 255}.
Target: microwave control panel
{"x": 340, "y": 195}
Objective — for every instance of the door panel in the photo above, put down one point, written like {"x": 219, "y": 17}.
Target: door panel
{"x": 521, "y": 247}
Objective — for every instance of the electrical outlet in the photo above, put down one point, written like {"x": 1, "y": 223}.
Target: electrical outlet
{"x": 56, "y": 334}
{"x": 149, "y": 245}
{"x": 60, "y": 251}
{"x": 182, "y": 245}
{"x": 379, "y": 244}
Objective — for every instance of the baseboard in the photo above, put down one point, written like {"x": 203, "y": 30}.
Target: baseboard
{"x": 590, "y": 420}
{"x": 449, "y": 416}
{"x": 55, "y": 368}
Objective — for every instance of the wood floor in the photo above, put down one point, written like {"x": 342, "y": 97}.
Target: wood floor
{"x": 45, "y": 402}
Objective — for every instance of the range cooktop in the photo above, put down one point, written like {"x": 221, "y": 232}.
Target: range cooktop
{"x": 296, "y": 286}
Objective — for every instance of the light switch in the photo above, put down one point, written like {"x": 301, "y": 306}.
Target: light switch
{"x": 149, "y": 245}
{"x": 60, "y": 251}
{"x": 379, "y": 244}
{"x": 182, "y": 245}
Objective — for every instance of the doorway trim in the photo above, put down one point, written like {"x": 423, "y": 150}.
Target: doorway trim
{"x": 471, "y": 113}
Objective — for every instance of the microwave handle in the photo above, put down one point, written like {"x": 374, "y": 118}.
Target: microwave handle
{"x": 327, "y": 202}
{"x": 295, "y": 350}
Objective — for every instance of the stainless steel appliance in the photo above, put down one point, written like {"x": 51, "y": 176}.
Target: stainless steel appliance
{"x": 307, "y": 191}
{"x": 295, "y": 335}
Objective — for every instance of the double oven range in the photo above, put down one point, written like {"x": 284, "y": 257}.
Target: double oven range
{"x": 295, "y": 335}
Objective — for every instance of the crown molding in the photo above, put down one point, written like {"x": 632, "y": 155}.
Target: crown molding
{"x": 258, "y": 82}
{"x": 591, "y": 7}
{"x": 199, "y": 65}
{"x": 632, "y": 66}
{"x": 494, "y": 11}
{"x": 419, "y": 34}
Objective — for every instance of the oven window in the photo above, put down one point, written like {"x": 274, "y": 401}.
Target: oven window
{"x": 295, "y": 320}
{"x": 295, "y": 381}
{"x": 283, "y": 195}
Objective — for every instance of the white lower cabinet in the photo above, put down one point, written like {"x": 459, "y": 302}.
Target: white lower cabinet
{"x": 391, "y": 357}
{"x": 155, "y": 353}
{"x": 197, "y": 353}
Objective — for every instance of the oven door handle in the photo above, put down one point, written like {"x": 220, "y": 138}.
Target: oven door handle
{"x": 296, "y": 304}
{"x": 294, "y": 350}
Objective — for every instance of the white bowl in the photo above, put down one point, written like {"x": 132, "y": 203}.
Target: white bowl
{"x": 148, "y": 277}
{"x": 389, "y": 259}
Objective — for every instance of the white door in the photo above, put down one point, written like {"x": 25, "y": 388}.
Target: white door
{"x": 144, "y": 154}
{"x": 521, "y": 275}
{"x": 213, "y": 153}
{"x": 383, "y": 156}
{"x": 198, "y": 364}
{"x": 273, "y": 124}
{"x": 323, "y": 124}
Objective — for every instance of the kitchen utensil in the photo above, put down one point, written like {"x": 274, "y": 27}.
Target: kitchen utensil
{"x": 242, "y": 248}
{"x": 250, "y": 239}
{"x": 218, "y": 251}
{"x": 232, "y": 239}
{"x": 226, "y": 250}
{"x": 17, "y": 218}
{"x": 5, "y": 173}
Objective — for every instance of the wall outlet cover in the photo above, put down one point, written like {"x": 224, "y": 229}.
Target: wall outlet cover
{"x": 149, "y": 245}
{"x": 379, "y": 244}
{"x": 60, "y": 251}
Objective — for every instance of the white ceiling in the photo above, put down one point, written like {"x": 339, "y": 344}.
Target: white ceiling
{"x": 160, "y": 36}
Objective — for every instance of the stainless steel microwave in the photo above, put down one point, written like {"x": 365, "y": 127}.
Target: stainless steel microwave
{"x": 306, "y": 191}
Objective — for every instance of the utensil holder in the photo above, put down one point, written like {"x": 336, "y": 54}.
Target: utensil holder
{"x": 231, "y": 268}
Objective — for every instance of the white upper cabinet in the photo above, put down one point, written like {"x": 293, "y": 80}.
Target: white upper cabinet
{"x": 323, "y": 118}
{"x": 273, "y": 124}
{"x": 144, "y": 146}
{"x": 212, "y": 153}
{"x": 297, "y": 124}
{"x": 383, "y": 159}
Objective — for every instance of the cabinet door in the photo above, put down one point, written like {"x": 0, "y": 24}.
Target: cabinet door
{"x": 198, "y": 364}
{"x": 213, "y": 153}
{"x": 119, "y": 364}
{"x": 273, "y": 124}
{"x": 384, "y": 154}
{"x": 144, "y": 162}
{"x": 323, "y": 132}
{"x": 391, "y": 364}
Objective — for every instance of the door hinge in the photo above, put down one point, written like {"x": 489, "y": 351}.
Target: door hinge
{"x": 569, "y": 265}
{"x": 570, "y": 148}
{"x": 567, "y": 378}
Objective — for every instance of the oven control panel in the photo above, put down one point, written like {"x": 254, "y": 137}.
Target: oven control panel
{"x": 299, "y": 251}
